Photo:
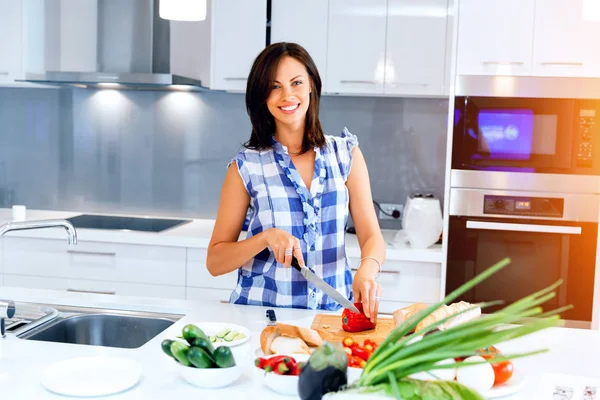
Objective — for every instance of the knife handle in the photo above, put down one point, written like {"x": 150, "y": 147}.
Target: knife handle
{"x": 295, "y": 264}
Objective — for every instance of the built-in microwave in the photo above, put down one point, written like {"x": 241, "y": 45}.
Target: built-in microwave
{"x": 526, "y": 134}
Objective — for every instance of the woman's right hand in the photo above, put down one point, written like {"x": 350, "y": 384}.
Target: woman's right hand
{"x": 278, "y": 241}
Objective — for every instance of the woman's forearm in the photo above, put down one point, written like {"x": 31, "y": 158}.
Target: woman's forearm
{"x": 226, "y": 257}
{"x": 374, "y": 247}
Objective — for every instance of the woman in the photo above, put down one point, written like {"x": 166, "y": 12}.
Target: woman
{"x": 296, "y": 185}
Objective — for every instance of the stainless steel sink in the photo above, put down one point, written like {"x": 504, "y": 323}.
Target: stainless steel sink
{"x": 100, "y": 327}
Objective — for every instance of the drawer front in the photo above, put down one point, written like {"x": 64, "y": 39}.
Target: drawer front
{"x": 199, "y": 294}
{"x": 408, "y": 281}
{"x": 96, "y": 287}
{"x": 198, "y": 276}
{"x": 96, "y": 261}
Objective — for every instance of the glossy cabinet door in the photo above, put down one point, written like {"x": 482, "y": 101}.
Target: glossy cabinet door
{"x": 416, "y": 47}
{"x": 495, "y": 37}
{"x": 356, "y": 46}
{"x": 304, "y": 23}
{"x": 11, "y": 40}
{"x": 567, "y": 34}
{"x": 239, "y": 34}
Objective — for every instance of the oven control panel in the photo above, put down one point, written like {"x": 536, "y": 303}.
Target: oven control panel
{"x": 524, "y": 206}
{"x": 587, "y": 120}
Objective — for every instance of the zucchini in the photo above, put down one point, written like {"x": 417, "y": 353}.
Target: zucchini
{"x": 224, "y": 357}
{"x": 229, "y": 337}
{"x": 204, "y": 344}
{"x": 166, "y": 346}
{"x": 199, "y": 358}
{"x": 221, "y": 334}
{"x": 191, "y": 332}
{"x": 180, "y": 352}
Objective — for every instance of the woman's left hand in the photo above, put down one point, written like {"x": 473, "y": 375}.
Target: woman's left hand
{"x": 368, "y": 292}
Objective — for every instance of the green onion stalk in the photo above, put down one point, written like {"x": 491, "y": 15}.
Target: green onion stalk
{"x": 401, "y": 354}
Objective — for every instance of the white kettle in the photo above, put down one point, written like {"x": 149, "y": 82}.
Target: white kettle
{"x": 422, "y": 220}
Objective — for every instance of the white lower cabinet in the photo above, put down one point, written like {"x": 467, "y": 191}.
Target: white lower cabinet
{"x": 95, "y": 287}
{"x": 201, "y": 285}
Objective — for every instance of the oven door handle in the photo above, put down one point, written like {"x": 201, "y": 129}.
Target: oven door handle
{"x": 503, "y": 226}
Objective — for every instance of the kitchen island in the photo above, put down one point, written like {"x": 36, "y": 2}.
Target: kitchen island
{"x": 22, "y": 362}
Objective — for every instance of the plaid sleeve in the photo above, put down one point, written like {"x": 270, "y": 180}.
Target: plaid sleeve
{"x": 240, "y": 160}
{"x": 346, "y": 143}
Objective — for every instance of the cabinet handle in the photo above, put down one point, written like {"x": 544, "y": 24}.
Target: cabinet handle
{"x": 504, "y": 226}
{"x": 504, "y": 62}
{"x": 574, "y": 63}
{"x": 91, "y": 291}
{"x": 93, "y": 253}
{"x": 383, "y": 272}
{"x": 365, "y": 82}
{"x": 236, "y": 79}
{"x": 4, "y": 73}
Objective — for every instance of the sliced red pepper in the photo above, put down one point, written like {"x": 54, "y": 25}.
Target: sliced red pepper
{"x": 356, "y": 322}
{"x": 361, "y": 353}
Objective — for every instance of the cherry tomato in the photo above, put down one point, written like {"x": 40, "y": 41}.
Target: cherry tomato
{"x": 503, "y": 370}
{"x": 347, "y": 342}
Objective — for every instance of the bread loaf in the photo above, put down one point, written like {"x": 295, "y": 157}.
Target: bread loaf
{"x": 442, "y": 312}
{"x": 288, "y": 339}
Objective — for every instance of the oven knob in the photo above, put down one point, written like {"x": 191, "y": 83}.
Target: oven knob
{"x": 500, "y": 204}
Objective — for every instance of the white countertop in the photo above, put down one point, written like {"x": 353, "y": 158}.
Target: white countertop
{"x": 196, "y": 234}
{"x": 22, "y": 362}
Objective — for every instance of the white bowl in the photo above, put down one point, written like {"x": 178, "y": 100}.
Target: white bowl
{"x": 354, "y": 374}
{"x": 283, "y": 384}
{"x": 210, "y": 378}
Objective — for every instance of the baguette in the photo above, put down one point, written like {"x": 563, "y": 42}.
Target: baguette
{"x": 442, "y": 312}
{"x": 308, "y": 335}
{"x": 288, "y": 339}
{"x": 405, "y": 313}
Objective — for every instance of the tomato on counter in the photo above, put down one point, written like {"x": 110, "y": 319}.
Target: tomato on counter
{"x": 358, "y": 354}
{"x": 503, "y": 370}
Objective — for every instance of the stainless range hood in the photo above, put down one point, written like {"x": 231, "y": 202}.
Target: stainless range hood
{"x": 104, "y": 43}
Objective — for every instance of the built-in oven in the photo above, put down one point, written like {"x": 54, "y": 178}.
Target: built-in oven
{"x": 548, "y": 237}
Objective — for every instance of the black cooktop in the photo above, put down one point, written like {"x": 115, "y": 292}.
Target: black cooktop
{"x": 110, "y": 222}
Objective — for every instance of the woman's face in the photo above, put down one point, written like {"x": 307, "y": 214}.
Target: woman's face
{"x": 290, "y": 95}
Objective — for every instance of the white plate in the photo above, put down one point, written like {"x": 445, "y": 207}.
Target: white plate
{"x": 212, "y": 328}
{"x": 514, "y": 384}
{"x": 92, "y": 376}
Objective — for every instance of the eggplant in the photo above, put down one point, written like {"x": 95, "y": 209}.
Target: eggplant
{"x": 324, "y": 372}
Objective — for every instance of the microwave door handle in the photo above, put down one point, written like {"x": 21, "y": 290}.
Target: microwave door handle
{"x": 503, "y": 226}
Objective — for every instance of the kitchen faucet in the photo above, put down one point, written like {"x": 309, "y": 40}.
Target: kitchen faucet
{"x": 7, "y": 307}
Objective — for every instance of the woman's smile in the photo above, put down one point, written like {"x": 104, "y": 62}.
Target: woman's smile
{"x": 290, "y": 109}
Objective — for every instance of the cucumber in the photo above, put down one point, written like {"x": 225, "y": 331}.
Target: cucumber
{"x": 221, "y": 334}
{"x": 180, "y": 351}
{"x": 229, "y": 337}
{"x": 212, "y": 338}
{"x": 166, "y": 346}
{"x": 239, "y": 336}
{"x": 204, "y": 344}
{"x": 191, "y": 332}
{"x": 199, "y": 358}
{"x": 224, "y": 357}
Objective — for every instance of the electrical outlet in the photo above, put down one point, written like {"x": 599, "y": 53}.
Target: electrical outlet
{"x": 389, "y": 208}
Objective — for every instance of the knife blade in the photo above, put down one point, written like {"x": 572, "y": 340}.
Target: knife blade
{"x": 324, "y": 286}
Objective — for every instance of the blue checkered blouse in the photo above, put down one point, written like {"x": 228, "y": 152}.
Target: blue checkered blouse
{"x": 280, "y": 199}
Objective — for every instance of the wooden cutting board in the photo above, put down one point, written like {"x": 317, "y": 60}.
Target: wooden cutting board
{"x": 330, "y": 328}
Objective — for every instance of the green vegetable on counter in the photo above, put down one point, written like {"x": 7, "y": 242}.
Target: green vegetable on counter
{"x": 400, "y": 355}
{"x": 224, "y": 357}
{"x": 179, "y": 351}
{"x": 191, "y": 332}
{"x": 199, "y": 358}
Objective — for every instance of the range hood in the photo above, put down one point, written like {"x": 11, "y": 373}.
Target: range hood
{"x": 122, "y": 44}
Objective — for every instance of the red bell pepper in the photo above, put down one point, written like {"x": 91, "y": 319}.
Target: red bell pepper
{"x": 356, "y": 322}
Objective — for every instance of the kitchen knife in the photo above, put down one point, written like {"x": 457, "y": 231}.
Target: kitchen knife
{"x": 324, "y": 286}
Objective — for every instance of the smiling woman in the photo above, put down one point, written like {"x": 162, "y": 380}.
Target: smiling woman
{"x": 298, "y": 185}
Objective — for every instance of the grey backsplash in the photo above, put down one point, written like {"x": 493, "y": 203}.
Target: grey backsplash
{"x": 165, "y": 153}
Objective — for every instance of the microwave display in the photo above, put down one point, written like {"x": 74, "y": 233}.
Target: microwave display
{"x": 527, "y": 135}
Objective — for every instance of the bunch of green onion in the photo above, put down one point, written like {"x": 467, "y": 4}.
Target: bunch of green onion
{"x": 400, "y": 355}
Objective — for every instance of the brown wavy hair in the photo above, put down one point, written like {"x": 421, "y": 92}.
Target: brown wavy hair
{"x": 258, "y": 89}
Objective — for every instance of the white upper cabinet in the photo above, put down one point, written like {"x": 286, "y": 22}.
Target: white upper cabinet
{"x": 225, "y": 45}
{"x": 566, "y": 38}
{"x": 356, "y": 46}
{"x": 239, "y": 35}
{"x": 289, "y": 24}
{"x": 495, "y": 37}
{"x": 11, "y": 40}
{"x": 416, "y": 47}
